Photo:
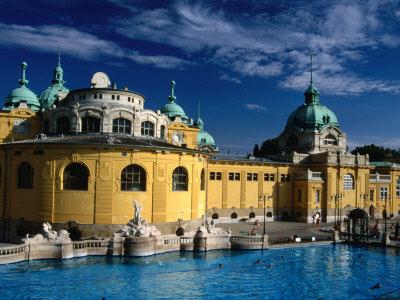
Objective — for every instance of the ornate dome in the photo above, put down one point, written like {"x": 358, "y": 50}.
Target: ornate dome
{"x": 204, "y": 139}
{"x": 312, "y": 115}
{"x": 172, "y": 109}
{"x": 22, "y": 93}
{"x": 51, "y": 94}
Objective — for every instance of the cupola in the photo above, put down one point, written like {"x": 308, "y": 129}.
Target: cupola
{"x": 171, "y": 109}
{"x": 22, "y": 94}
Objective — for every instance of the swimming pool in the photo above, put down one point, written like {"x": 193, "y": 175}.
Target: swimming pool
{"x": 327, "y": 272}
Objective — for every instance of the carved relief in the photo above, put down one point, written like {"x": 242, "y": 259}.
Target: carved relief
{"x": 46, "y": 171}
{"x": 74, "y": 157}
{"x": 160, "y": 172}
{"x": 104, "y": 170}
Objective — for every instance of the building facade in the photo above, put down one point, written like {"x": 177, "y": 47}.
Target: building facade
{"x": 84, "y": 155}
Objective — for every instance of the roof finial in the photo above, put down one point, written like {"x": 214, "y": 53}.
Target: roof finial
{"x": 311, "y": 70}
{"x": 59, "y": 56}
{"x": 23, "y": 80}
{"x": 172, "y": 96}
{"x": 198, "y": 110}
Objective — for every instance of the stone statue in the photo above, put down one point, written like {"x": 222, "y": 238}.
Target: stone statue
{"x": 137, "y": 227}
{"x": 48, "y": 235}
{"x": 137, "y": 218}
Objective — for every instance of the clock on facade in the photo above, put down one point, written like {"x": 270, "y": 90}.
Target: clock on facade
{"x": 177, "y": 137}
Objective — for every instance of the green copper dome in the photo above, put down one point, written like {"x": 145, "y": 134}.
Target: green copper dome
{"x": 204, "y": 139}
{"x": 172, "y": 109}
{"x": 50, "y": 95}
{"x": 22, "y": 93}
{"x": 312, "y": 115}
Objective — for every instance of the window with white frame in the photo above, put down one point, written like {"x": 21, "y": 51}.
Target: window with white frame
{"x": 398, "y": 187}
{"x": 348, "y": 182}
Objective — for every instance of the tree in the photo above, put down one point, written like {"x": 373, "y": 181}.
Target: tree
{"x": 268, "y": 147}
{"x": 376, "y": 153}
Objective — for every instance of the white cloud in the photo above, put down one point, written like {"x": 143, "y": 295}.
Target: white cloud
{"x": 278, "y": 44}
{"x": 78, "y": 44}
{"x": 229, "y": 78}
{"x": 255, "y": 107}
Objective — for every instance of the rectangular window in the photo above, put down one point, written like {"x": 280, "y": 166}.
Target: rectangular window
{"x": 112, "y": 97}
{"x": 100, "y": 96}
{"x": 269, "y": 177}
{"x": 371, "y": 195}
{"x": 398, "y": 188}
{"x": 117, "y": 97}
{"x": 129, "y": 99}
{"x": 234, "y": 176}
{"x": 317, "y": 196}
{"x": 17, "y": 152}
{"x": 252, "y": 176}
{"x": 215, "y": 175}
{"x": 38, "y": 152}
{"x": 285, "y": 177}
{"x": 299, "y": 194}
{"x": 84, "y": 96}
{"x": 95, "y": 96}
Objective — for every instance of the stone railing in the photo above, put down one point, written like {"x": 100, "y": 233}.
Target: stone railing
{"x": 379, "y": 178}
{"x": 12, "y": 250}
{"x": 171, "y": 241}
{"x": 249, "y": 242}
{"x": 309, "y": 175}
{"x": 186, "y": 240}
{"x": 11, "y": 254}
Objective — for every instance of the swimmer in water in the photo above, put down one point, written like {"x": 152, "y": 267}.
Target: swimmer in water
{"x": 376, "y": 286}
{"x": 221, "y": 265}
{"x": 258, "y": 262}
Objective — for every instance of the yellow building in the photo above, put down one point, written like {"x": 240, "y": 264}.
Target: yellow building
{"x": 84, "y": 155}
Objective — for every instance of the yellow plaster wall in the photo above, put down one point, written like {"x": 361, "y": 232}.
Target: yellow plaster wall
{"x": 9, "y": 118}
{"x": 104, "y": 202}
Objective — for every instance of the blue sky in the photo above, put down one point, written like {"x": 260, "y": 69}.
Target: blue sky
{"x": 246, "y": 61}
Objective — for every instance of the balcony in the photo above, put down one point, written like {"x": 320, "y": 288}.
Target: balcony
{"x": 309, "y": 176}
{"x": 378, "y": 178}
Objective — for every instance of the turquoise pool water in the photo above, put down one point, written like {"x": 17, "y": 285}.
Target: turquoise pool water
{"x": 314, "y": 272}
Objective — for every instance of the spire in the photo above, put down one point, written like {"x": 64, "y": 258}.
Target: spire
{"x": 311, "y": 94}
{"x": 59, "y": 57}
{"x": 199, "y": 121}
{"x": 172, "y": 97}
{"x": 23, "y": 80}
{"x": 58, "y": 73}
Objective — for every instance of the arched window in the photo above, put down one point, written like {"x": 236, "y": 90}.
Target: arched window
{"x": 202, "y": 180}
{"x": 214, "y": 216}
{"x": 330, "y": 140}
{"x": 180, "y": 179}
{"x": 162, "y": 132}
{"x": 348, "y": 182}
{"x": 292, "y": 141}
{"x": 133, "y": 178}
{"x": 63, "y": 125}
{"x": 25, "y": 176}
{"x": 76, "y": 177}
{"x": 398, "y": 187}
{"x": 90, "y": 124}
{"x": 147, "y": 128}
{"x": 122, "y": 125}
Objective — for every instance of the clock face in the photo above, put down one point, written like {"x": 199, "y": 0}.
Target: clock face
{"x": 21, "y": 126}
{"x": 177, "y": 137}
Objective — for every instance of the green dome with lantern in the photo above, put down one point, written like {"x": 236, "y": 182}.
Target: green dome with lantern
{"x": 204, "y": 139}
{"x": 312, "y": 115}
{"x": 22, "y": 93}
{"x": 171, "y": 109}
{"x": 51, "y": 94}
